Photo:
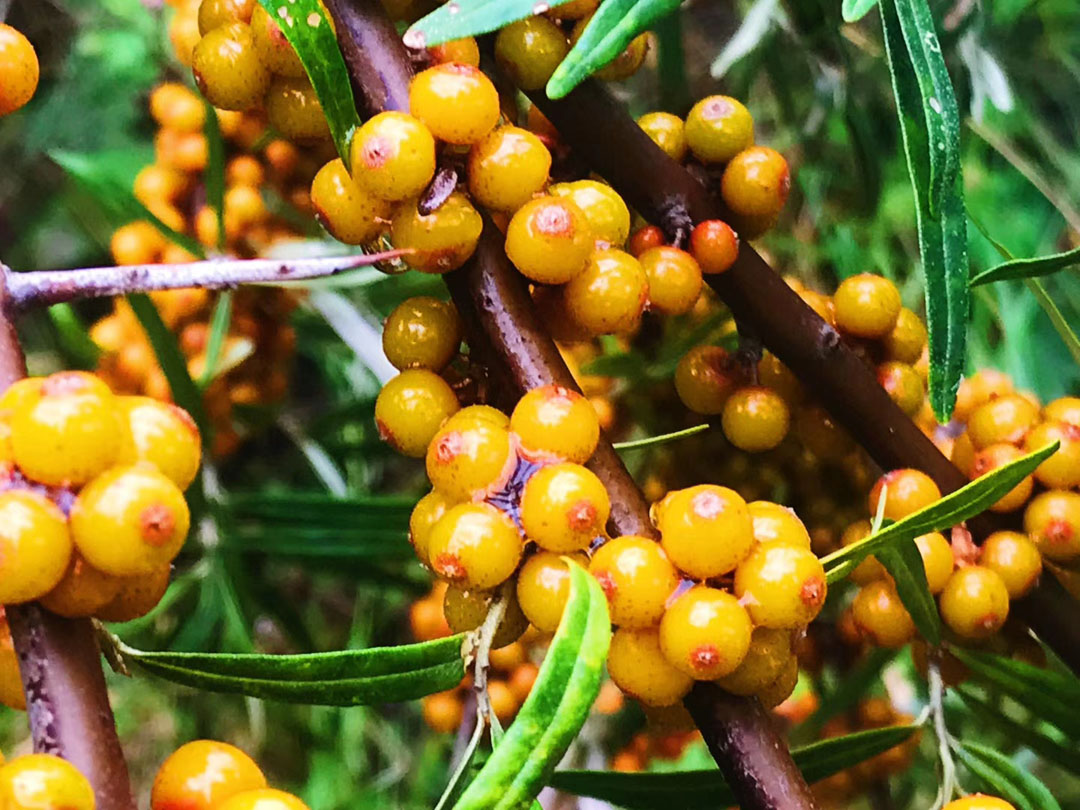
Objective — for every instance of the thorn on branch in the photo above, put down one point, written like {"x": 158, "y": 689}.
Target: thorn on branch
{"x": 440, "y": 188}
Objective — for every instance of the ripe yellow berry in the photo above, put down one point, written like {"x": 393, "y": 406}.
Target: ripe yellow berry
{"x": 227, "y": 68}
{"x": 782, "y": 587}
{"x": 174, "y": 106}
{"x": 937, "y": 560}
{"x": 427, "y": 512}
{"x": 549, "y": 240}
{"x": 529, "y": 50}
{"x": 35, "y": 546}
{"x": 262, "y": 799}
{"x": 137, "y": 596}
{"x": 466, "y": 609}
{"x": 1064, "y": 409}
{"x": 637, "y": 577}
{"x": 755, "y": 419}
{"x": 464, "y": 50}
{"x": 1052, "y": 521}
{"x": 755, "y": 186}
{"x": 19, "y": 69}
{"x": 272, "y": 45}
{"x": 674, "y": 279}
{"x": 411, "y": 408}
{"x": 507, "y": 167}
{"x": 979, "y": 801}
{"x": 464, "y": 459}
{"x": 554, "y": 422}
{"x": 1003, "y": 419}
{"x": 867, "y": 305}
{"x": 705, "y": 633}
{"x": 351, "y": 215}
{"x": 706, "y": 530}
{"x": 474, "y": 545}
{"x": 564, "y": 507}
{"x": 639, "y": 668}
{"x": 705, "y": 378}
{"x": 869, "y": 569}
{"x": 216, "y": 13}
{"x": 773, "y": 523}
{"x": 294, "y": 110}
{"x": 975, "y": 602}
{"x": 44, "y": 782}
{"x": 543, "y": 586}
{"x": 881, "y": 616}
{"x": 768, "y": 653}
{"x": 130, "y": 521}
{"x": 997, "y": 455}
{"x": 904, "y": 344}
{"x": 440, "y": 241}
{"x": 667, "y": 131}
{"x": 604, "y": 209}
{"x": 907, "y": 491}
{"x": 69, "y": 433}
{"x": 163, "y": 434}
{"x": 1061, "y": 470}
{"x": 422, "y": 332}
{"x": 484, "y": 414}
{"x": 903, "y": 385}
{"x": 1014, "y": 558}
{"x": 609, "y": 296}
{"x": 457, "y": 102}
{"x": 82, "y": 591}
{"x": 718, "y": 128}
{"x": 11, "y": 688}
{"x": 393, "y": 156}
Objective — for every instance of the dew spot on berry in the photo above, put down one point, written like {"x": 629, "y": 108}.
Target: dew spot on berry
{"x": 157, "y": 524}
{"x": 449, "y": 566}
{"x": 813, "y": 591}
{"x": 704, "y": 657}
{"x": 581, "y": 515}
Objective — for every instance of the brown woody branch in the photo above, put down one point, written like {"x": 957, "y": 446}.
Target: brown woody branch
{"x": 597, "y": 127}
{"x": 519, "y": 354}
{"x": 60, "y": 664}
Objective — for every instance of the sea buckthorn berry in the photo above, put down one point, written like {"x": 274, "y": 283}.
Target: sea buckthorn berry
{"x": 549, "y": 240}
{"x": 350, "y": 214}
{"x": 1052, "y": 521}
{"x": 474, "y": 545}
{"x": 422, "y": 332}
{"x": 907, "y": 491}
{"x": 136, "y": 243}
{"x": 185, "y": 151}
{"x": 529, "y": 50}
{"x": 1006, "y": 418}
{"x": 507, "y": 167}
{"x": 765, "y": 659}
{"x": 903, "y": 385}
{"x": 130, "y": 521}
{"x": 775, "y": 375}
{"x": 607, "y": 214}
{"x": 11, "y": 688}
{"x": 174, "y": 106}
{"x": 975, "y": 602}
{"x": 715, "y": 245}
{"x": 645, "y": 238}
{"x": 1015, "y": 559}
{"x": 774, "y": 523}
{"x": 564, "y": 507}
{"x": 440, "y": 241}
{"x": 137, "y": 596}
{"x": 1064, "y": 409}
{"x": 35, "y": 546}
{"x": 457, "y": 102}
{"x": 162, "y": 434}
{"x": 411, "y": 408}
{"x": 610, "y": 295}
{"x": 869, "y": 569}
{"x": 979, "y": 801}
{"x": 718, "y": 128}
{"x": 674, "y": 279}
{"x": 667, "y": 131}
{"x": 227, "y": 68}
{"x": 21, "y": 393}
{"x": 755, "y": 184}
{"x": 216, "y": 13}
{"x": 625, "y": 64}
{"x": 18, "y": 69}
{"x": 263, "y": 799}
{"x": 471, "y": 414}
{"x": 427, "y": 512}
{"x": 464, "y": 51}
{"x": 393, "y": 156}
{"x": 706, "y": 530}
{"x": 637, "y": 578}
{"x": 465, "y": 459}
{"x": 938, "y": 561}
{"x": 981, "y": 387}
{"x": 293, "y": 109}
{"x": 443, "y": 711}
{"x": 466, "y": 609}
{"x": 1061, "y": 470}
{"x": 154, "y": 184}
{"x": 272, "y": 46}
{"x": 704, "y": 379}
{"x": 543, "y": 586}
{"x": 556, "y": 422}
{"x": 997, "y": 455}
{"x": 200, "y": 775}
{"x": 522, "y": 680}
{"x": 905, "y": 342}
{"x": 244, "y": 209}
{"x": 44, "y": 782}
{"x": 782, "y": 686}
{"x": 755, "y": 419}
{"x": 881, "y": 616}
{"x": 782, "y": 587}
{"x": 963, "y": 454}
{"x": 638, "y": 667}
{"x": 82, "y": 591}
{"x": 705, "y": 633}
{"x": 867, "y": 305}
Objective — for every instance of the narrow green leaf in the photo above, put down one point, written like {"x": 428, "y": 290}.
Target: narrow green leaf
{"x": 1007, "y": 779}
{"x": 904, "y": 562}
{"x": 606, "y": 35}
{"x": 306, "y": 28}
{"x": 220, "y": 320}
{"x": 952, "y": 509}
{"x": 184, "y": 391}
{"x": 930, "y": 126}
{"x": 75, "y": 341}
{"x": 706, "y": 789}
{"x": 664, "y": 438}
{"x": 556, "y": 708}
{"x": 214, "y": 174}
{"x": 1027, "y": 268}
{"x": 117, "y": 198}
{"x": 470, "y": 18}
{"x": 855, "y": 10}
{"x": 345, "y": 678}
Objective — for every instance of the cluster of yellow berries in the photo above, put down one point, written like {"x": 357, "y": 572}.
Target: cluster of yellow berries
{"x": 19, "y": 70}
{"x": 92, "y": 511}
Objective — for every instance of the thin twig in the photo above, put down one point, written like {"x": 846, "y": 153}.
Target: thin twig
{"x": 941, "y": 731}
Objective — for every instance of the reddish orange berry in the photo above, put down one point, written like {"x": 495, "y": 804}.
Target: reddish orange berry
{"x": 715, "y": 245}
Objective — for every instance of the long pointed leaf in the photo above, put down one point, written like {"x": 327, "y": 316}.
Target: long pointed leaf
{"x": 1006, "y": 778}
{"x": 1027, "y": 268}
{"x": 470, "y": 18}
{"x": 904, "y": 562}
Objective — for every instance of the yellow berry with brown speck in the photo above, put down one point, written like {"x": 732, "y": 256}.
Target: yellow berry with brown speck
{"x": 393, "y": 156}
{"x": 765, "y": 658}
{"x": 411, "y": 408}
{"x": 466, "y": 608}
{"x": 350, "y": 214}
{"x": 564, "y": 507}
{"x": 227, "y": 68}
{"x": 975, "y": 602}
{"x": 706, "y": 530}
{"x": 782, "y": 587}
{"x": 705, "y": 633}
{"x": 609, "y": 295}
{"x": 456, "y": 101}
{"x": 507, "y": 168}
{"x": 555, "y": 422}
{"x": 1015, "y": 559}
{"x": 470, "y": 457}
{"x": 543, "y": 586}
{"x": 474, "y": 545}
{"x": 439, "y": 241}
{"x": 604, "y": 209}
{"x": 549, "y": 240}
{"x": 881, "y": 616}
{"x": 867, "y": 305}
{"x": 163, "y": 434}
{"x": 1052, "y": 521}
{"x": 639, "y": 668}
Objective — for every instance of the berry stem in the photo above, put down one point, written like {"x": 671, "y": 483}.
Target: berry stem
{"x": 45, "y": 287}
{"x": 519, "y": 354}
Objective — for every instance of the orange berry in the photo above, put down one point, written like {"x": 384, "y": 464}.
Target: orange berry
{"x": 456, "y": 102}
{"x": 637, "y": 577}
{"x": 174, "y": 106}
{"x": 351, "y": 215}
{"x": 506, "y": 658}
{"x": 774, "y": 523}
{"x": 755, "y": 184}
{"x": 645, "y": 238}
{"x": 137, "y": 597}
{"x": 19, "y": 70}
{"x": 907, "y": 491}
{"x": 782, "y": 587}
{"x": 715, "y": 245}
{"x": 136, "y": 243}
{"x": 604, "y": 209}
{"x": 705, "y": 633}
{"x": 638, "y": 666}
{"x": 975, "y": 602}
{"x": 466, "y": 609}
{"x": 1062, "y": 469}
{"x": 393, "y": 156}
{"x": 411, "y": 408}
{"x": 201, "y": 775}
{"x": 44, "y": 782}
{"x": 667, "y": 131}
{"x": 903, "y": 385}
{"x": 440, "y": 241}
{"x": 507, "y": 167}
{"x": 706, "y": 530}
{"x": 554, "y": 422}
{"x": 466, "y": 458}
{"x": 674, "y": 280}
{"x": 704, "y": 379}
{"x": 426, "y": 619}
{"x": 549, "y": 240}
{"x": 162, "y": 434}
{"x": 766, "y": 657}
{"x": 867, "y": 306}
{"x": 424, "y": 516}
{"x": 1014, "y": 558}
{"x": 718, "y": 128}
{"x": 881, "y": 616}
{"x": 464, "y": 50}
{"x": 609, "y": 296}
{"x": 11, "y": 688}
{"x": 227, "y": 67}
{"x": 1064, "y": 409}
{"x": 904, "y": 344}
{"x": 262, "y": 799}
{"x": 755, "y": 419}
{"x": 156, "y": 184}
{"x": 979, "y": 801}
{"x": 564, "y": 507}
{"x": 543, "y": 586}
{"x": 869, "y": 569}
{"x": 82, "y": 591}
{"x": 522, "y": 679}
{"x": 1006, "y": 418}
{"x": 997, "y": 455}
{"x": 443, "y": 711}
{"x": 1052, "y": 521}
{"x": 35, "y": 546}
{"x": 474, "y": 545}
{"x": 503, "y": 702}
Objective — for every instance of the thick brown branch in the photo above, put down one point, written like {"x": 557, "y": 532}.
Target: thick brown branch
{"x": 61, "y": 665}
